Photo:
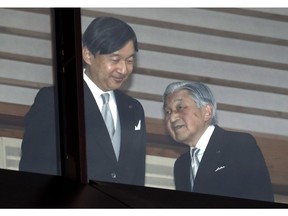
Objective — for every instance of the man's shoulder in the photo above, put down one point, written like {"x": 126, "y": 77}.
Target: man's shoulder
{"x": 235, "y": 137}
{"x": 233, "y": 133}
{"x": 45, "y": 93}
{"x": 123, "y": 96}
{"x": 184, "y": 156}
{"x": 46, "y": 90}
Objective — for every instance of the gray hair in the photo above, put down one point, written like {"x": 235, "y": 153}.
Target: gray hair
{"x": 199, "y": 92}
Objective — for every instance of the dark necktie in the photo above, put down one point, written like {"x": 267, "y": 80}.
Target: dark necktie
{"x": 194, "y": 165}
{"x": 107, "y": 115}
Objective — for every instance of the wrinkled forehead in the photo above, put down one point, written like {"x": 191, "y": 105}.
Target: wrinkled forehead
{"x": 176, "y": 97}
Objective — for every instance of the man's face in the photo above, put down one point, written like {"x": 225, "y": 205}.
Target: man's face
{"x": 184, "y": 120}
{"x": 109, "y": 71}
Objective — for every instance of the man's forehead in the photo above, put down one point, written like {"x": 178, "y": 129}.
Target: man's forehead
{"x": 178, "y": 97}
{"x": 179, "y": 94}
{"x": 173, "y": 99}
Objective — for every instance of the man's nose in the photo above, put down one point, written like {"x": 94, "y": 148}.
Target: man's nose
{"x": 122, "y": 67}
{"x": 174, "y": 116}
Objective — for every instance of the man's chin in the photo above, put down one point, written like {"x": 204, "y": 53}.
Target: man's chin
{"x": 116, "y": 84}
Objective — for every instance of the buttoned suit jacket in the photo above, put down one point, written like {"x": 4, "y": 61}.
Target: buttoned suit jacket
{"x": 40, "y": 154}
{"x": 232, "y": 165}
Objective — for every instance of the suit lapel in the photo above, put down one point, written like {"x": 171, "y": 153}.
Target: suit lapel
{"x": 96, "y": 131}
{"x": 125, "y": 113}
{"x": 212, "y": 158}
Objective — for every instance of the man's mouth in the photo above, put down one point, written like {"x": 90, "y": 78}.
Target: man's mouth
{"x": 118, "y": 79}
{"x": 177, "y": 127}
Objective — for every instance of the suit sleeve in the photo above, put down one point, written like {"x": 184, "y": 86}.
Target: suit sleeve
{"x": 140, "y": 175}
{"x": 255, "y": 179}
{"x": 38, "y": 150}
{"x": 182, "y": 173}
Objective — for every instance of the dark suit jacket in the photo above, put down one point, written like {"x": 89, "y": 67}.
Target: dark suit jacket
{"x": 232, "y": 165}
{"x": 39, "y": 152}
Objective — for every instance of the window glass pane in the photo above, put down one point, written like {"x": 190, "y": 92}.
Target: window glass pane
{"x": 242, "y": 58}
{"x": 26, "y": 67}
{"x": 234, "y": 53}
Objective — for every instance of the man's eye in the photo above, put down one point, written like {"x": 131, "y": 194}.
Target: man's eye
{"x": 115, "y": 60}
{"x": 180, "y": 107}
{"x": 167, "y": 112}
{"x": 130, "y": 61}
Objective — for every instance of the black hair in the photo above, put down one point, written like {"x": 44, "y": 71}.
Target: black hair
{"x": 105, "y": 35}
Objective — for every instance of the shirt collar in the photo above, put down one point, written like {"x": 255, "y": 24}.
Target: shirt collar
{"x": 96, "y": 91}
{"x": 204, "y": 139}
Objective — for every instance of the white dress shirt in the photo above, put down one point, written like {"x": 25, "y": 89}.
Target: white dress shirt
{"x": 97, "y": 96}
{"x": 203, "y": 142}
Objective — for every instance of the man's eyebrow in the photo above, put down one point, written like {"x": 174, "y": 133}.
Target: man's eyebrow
{"x": 113, "y": 54}
{"x": 117, "y": 55}
{"x": 177, "y": 100}
{"x": 131, "y": 56}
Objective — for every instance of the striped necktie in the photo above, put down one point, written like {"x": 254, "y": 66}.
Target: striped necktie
{"x": 107, "y": 115}
{"x": 194, "y": 165}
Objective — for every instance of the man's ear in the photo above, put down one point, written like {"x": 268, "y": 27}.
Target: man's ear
{"x": 86, "y": 55}
{"x": 208, "y": 112}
